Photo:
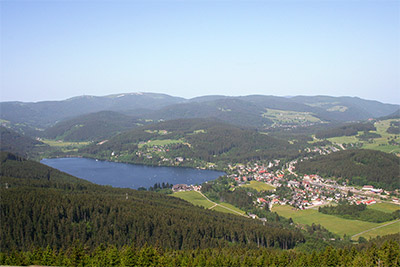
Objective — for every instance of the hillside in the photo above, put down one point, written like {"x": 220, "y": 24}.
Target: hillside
{"x": 94, "y": 126}
{"x": 16, "y": 143}
{"x": 249, "y": 110}
{"x": 357, "y": 166}
{"x": 253, "y": 110}
{"x": 229, "y": 110}
{"x": 41, "y": 206}
{"x": 191, "y": 143}
{"x": 379, "y": 134}
{"x": 347, "y": 108}
{"x": 46, "y": 113}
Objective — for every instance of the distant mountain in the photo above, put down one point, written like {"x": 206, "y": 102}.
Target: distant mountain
{"x": 394, "y": 115}
{"x": 16, "y": 143}
{"x": 243, "y": 110}
{"x": 347, "y": 108}
{"x": 251, "y": 110}
{"x": 229, "y": 110}
{"x": 46, "y": 113}
{"x": 94, "y": 126}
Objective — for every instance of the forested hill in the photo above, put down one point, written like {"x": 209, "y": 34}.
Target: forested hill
{"x": 346, "y": 130}
{"x": 358, "y": 166}
{"x": 17, "y": 143}
{"x": 94, "y": 126}
{"x": 195, "y": 141}
{"x": 258, "y": 111}
{"x": 41, "y": 206}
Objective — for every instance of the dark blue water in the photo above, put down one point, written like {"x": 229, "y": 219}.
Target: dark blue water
{"x": 129, "y": 175}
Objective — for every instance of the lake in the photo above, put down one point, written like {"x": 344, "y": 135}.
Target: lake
{"x": 129, "y": 175}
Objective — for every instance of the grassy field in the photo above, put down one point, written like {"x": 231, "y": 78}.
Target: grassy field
{"x": 197, "y": 199}
{"x": 229, "y": 206}
{"x": 344, "y": 139}
{"x": 380, "y": 143}
{"x": 390, "y": 229}
{"x": 64, "y": 144}
{"x": 385, "y": 207}
{"x": 292, "y": 117}
{"x": 162, "y": 142}
{"x": 259, "y": 186}
{"x": 335, "y": 224}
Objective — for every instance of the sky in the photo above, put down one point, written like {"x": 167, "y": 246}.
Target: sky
{"x": 54, "y": 50}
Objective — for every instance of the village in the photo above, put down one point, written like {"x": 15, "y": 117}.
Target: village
{"x": 300, "y": 192}
{"x": 287, "y": 186}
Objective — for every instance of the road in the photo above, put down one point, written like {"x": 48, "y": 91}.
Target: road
{"x": 216, "y": 204}
{"x": 386, "y": 224}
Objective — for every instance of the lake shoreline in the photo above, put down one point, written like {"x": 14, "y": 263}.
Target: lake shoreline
{"x": 122, "y": 174}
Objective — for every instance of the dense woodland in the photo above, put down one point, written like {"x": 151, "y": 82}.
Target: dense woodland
{"x": 356, "y": 166}
{"x": 50, "y": 218}
{"x": 359, "y": 212}
{"x": 20, "y": 144}
{"x": 205, "y": 140}
{"x": 346, "y": 130}
{"x": 394, "y": 127}
{"x": 41, "y": 206}
{"x": 379, "y": 252}
{"x": 95, "y": 126}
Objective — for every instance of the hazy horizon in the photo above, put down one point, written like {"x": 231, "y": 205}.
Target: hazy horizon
{"x": 186, "y": 98}
{"x": 55, "y": 50}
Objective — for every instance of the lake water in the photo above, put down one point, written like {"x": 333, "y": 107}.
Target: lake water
{"x": 129, "y": 175}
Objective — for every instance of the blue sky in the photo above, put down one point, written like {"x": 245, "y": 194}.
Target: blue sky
{"x": 53, "y": 50}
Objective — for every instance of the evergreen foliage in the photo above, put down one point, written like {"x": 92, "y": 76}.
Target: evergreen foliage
{"x": 95, "y": 126}
{"x": 19, "y": 144}
{"x": 42, "y": 207}
{"x": 346, "y": 130}
{"x": 356, "y": 166}
{"x": 378, "y": 252}
{"x": 204, "y": 140}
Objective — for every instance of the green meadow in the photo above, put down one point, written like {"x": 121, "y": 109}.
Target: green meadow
{"x": 197, "y": 199}
{"x": 285, "y": 116}
{"x": 259, "y": 186}
{"x": 380, "y": 143}
{"x": 163, "y": 142}
{"x": 58, "y": 143}
{"x": 385, "y": 207}
{"x": 335, "y": 224}
{"x": 65, "y": 146}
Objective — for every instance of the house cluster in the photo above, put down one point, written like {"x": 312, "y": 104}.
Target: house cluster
{"x": 243, "y": 174}
{"x": 185, "y": 187}
{"x": 323, "y": 150}
{"x": 159, "y": 152}
{"x": 300, "y": 192}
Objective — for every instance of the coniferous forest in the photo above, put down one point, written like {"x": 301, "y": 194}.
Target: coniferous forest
{"x": 51, "y": 218}
{"x": 357, "y": 166}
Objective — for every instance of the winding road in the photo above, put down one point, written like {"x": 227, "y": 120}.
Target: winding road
{"x": 216, "y": 204}
{"x": 380, "y": 226}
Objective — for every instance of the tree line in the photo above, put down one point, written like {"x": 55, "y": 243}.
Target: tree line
{"x": 359, "y": 212}
{"x": 40, "y": 206}
{"x": 380, "y": 252}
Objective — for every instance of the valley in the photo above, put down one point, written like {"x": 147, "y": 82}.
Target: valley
{"x": 282, "y": 162}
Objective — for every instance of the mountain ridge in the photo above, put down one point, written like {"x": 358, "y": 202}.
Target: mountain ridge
{"x": 30, "y": 118}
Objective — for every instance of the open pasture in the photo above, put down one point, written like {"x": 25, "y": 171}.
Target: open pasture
{"x": 259, "y": 186}
{"x": 336, "y": 224}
